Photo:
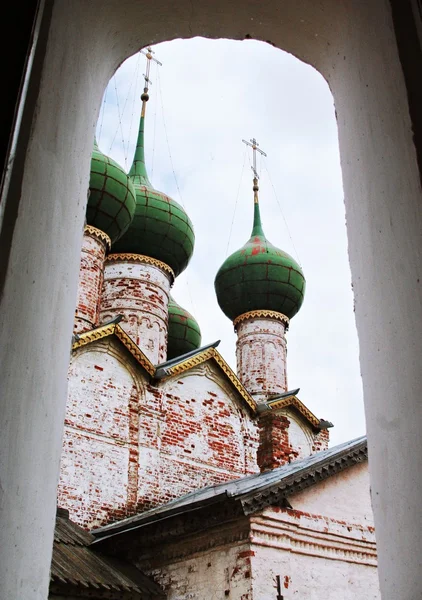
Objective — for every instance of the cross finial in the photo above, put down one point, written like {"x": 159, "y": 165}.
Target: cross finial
{"x": 149, "y": 54}
{"x": 255, "y": 147}
{"x": 145, "y": 97}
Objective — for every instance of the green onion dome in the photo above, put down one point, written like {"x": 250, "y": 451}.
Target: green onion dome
{"x": 111, "y": 202}
{"x": 259, "y": 276}
{"x": 161, "y": 229}
{"x": 184, "y": 334}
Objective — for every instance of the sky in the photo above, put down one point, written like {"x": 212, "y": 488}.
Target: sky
{"x": 206, "y": 97}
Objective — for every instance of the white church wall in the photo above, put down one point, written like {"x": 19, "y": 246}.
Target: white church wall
{"x": 215, "y": 574}
{"x": 201, "y": 435}
{"x": 311, "y": 577}
{"x": 96, "y": 474}
{"x": 345, "y": 497}
{"x": 300, "y": 436}
{"x": 326, "y": 554}
{"x": 323, "y": 548}
{"x": 130, "y": 445}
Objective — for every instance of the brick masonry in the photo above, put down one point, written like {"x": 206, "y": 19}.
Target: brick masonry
{"x": 283, "y": 437}
{"x": 261, "y": 356}
{"x": 91, "y": 274}
{"x": 140, "y": 292}
{"x": 132, "y": 443}
{"x": 222, "y": 572}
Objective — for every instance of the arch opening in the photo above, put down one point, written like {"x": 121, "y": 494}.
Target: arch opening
{"x": 382, "y": 193}
{"x": 207, "y": 96}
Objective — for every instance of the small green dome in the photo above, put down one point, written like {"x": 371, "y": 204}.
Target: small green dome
{"x": 184, "y": 334}
{"x": 111, "y": 202}
{"x": 259, "y": 276}
{"x": 160, "y": 228}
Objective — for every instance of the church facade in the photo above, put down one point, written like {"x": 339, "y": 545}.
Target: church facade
{"x": 213, "y": 483}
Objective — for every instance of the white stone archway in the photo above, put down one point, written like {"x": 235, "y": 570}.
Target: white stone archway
{"x": 353, "y": 46}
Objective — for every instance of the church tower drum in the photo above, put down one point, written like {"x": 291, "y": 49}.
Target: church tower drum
{"x": 144, "y": 263}
{"x": 110, "y": 210}
{"x": 260, "y": 288}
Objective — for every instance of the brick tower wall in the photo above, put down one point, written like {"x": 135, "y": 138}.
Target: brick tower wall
{"x": 140, "y": 292}
{"x": 261, "y": 356}
{"x": 91, "y": 274}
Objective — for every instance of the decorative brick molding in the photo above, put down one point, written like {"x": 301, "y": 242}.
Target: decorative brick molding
{"x": 100, "y": 235}
{"x": 141, "y": 258}
{"x": 114, "y": 329}
{"x": 293, "y": 401}
{"x": 314, "y": 535}
{"x": 202, "y": 357}
{"x": 259, "y": 314}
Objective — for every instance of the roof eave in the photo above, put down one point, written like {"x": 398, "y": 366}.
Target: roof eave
{"x": 273, "y": 494}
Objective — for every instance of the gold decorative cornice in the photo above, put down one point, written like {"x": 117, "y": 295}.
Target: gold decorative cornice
{"x": 235, "y": 380}
{"x": 141, "y": 258}
{"x": 100, "y": 235}
{"x": 91, "y": 336}
{"x": 259, "y": 314}
{"x": 114, "y": 329}
{"x": 191, "y": 362}
{"x": 134, "y": 350}
{"x": 212, "y": 353}
{"x": 300, "y": 407}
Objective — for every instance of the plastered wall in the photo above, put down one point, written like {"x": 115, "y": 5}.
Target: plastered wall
{"x": 306, "y": 552}
{"x": 130, "y": 445}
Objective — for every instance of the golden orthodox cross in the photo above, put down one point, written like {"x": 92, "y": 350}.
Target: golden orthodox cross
{"x": 254, "y": 145}
{"x": 255, "y": 148}
{"x": 149, "y": 54}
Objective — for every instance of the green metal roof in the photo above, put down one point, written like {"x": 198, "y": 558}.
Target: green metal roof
{"x": 160, "y": 228}
{"x": 111, "y": 202}
{"x": 184, "y": 334}
{"x": 259, "y": 276}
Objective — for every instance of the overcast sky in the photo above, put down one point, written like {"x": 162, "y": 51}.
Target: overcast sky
{"x": 207, "y": 96}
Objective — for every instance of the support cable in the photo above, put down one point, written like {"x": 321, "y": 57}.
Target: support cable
{"x": 282, "y": 214}
{"x": 174, "y": 174}
{"x": 119, "y": 126}
{"x": 102, "y": 116}
{"x": 237, "y": 198}
{"x": 155, "y": 128}
{"x": 136, "y": 78}
{"x": 167, "y": 139}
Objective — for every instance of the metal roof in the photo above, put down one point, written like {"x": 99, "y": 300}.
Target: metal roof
{"x": 254, "y": 492}
{"x": 283, "y": 395}
{"x": 77, "y": 566}
{"x": 162, "y": 370}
